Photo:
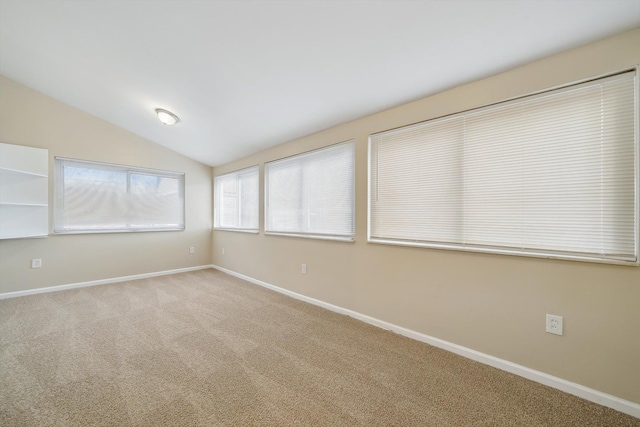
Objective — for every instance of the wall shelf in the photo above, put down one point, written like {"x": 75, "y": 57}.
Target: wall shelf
{"x": 24, "y": 204}
{"x": 24, "y": 192}
{"x": 7, "y": 171}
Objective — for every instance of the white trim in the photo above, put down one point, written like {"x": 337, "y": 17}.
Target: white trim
{"x": 637, "y": 157}
{"x": 312, "y": 236}
{"x": 619, "y": 404}
{"x": 505, "y": 251}
{"x": 63, "y": 232}
{"x": 99, "y": 282}
{"x": 238, "y": 230}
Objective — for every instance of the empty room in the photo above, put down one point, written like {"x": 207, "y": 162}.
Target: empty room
{"x": 319, "y": 213}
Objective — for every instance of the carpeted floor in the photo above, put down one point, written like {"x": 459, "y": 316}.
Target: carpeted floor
{"x": 207, "y": 349}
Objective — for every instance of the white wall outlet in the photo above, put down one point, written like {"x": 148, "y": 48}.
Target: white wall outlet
{"x": 304, "y": 269}
{"x": 222, "y": 251}
{"x": 554, "y": 324}
{"x": 192, "y": 250}
{"x": 36, "y": 263}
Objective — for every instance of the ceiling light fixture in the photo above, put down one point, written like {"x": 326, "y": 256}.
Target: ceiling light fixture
{"x": 167, "y": 117}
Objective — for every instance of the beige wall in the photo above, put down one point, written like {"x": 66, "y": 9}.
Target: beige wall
{"x": 495, "y": 304}
{"x": 33, "y": 119}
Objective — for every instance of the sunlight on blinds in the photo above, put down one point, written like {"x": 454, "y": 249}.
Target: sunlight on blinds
{"x": 312, "y": 194}
{"x": 549, "y": 174}
{"x": 236, "y": 200}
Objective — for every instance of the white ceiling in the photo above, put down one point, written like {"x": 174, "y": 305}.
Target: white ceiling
{"x": 246, "y": 75}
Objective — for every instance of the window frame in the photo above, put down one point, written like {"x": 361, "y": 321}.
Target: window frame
{"x": 215, "y": 198}
{"x": 526, "y": 253}
{"x": 309, "y": 235}
{"x": 58, "y": 195}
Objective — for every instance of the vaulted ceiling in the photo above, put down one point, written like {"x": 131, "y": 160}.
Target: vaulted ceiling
{"x": 246, "y": 75}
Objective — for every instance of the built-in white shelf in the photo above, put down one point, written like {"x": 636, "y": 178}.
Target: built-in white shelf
{"x": 7, "y": 171}
{"x": 24, "y": 191}
{"x": 24, "y": 204}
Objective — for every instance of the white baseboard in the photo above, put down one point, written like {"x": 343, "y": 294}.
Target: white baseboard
{"x": 99, "y": 282}
{"x": 584, "y": 392}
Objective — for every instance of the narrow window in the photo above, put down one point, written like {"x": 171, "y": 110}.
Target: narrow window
{"x": 312, "y": 194}
{"x": 236, "y": 200}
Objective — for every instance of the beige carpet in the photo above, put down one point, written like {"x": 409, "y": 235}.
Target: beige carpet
{"x": 207, "y": 349}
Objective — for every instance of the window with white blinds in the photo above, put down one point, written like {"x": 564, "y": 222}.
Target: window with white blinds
{"x": 236, "y": 197}
{"x": 553, "y": 175}
{"x": 93, "y": 197}
{"x": 312, "y": 194}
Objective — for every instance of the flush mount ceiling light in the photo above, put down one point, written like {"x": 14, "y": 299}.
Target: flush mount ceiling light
{"x": 167, "y": 117}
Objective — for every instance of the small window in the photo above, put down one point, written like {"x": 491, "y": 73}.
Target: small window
{"x": 312, "y": 194}
{"x": 552, "y": 175}
{"x": 95, "y": 197}
{"x": 236, "y": 200}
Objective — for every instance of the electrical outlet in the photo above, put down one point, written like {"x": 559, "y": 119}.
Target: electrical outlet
{"x": 192, "y": 250}
{"x": 304, "y": 268}
{"x": 554, "y": 324}
{"x": 36, "y": 263}
{"x": 222, "y": 251}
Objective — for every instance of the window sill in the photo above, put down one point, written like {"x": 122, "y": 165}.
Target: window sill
{"x": 237, "y": 230}
{"x": 505, "y": 251}
{"x": 349, "y": 239}
{"x": 139, "y": 230}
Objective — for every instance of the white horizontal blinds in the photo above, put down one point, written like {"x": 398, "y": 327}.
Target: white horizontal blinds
{"x": 236, "y": 200}
{"x": 532, "y": 171}
{"x": 619, "y": 174}
{"x": 492, "y": 171}
{"x": 552, "y": 173}
{"x": 91, "y": 197}
{"x": 541, "y": 172}
{"x": 619, "y": 170}
{"x": 226, "y": 201}
{"x": 249, "y": 199}
{"x": 155, "y": 201}
{"x": 416, "y": 182}
{"x": 312, "y": 193}
{"x": 103, "y": 197}
{"x": 284, "y": 199}
{"x": 329, "y": 191}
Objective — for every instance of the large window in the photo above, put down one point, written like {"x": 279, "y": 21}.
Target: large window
{"x": 95, "y": 197}
{"x": 312, "y": 194}
{"x": 236, "y": 200}
{"x": 552, "y": 175}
